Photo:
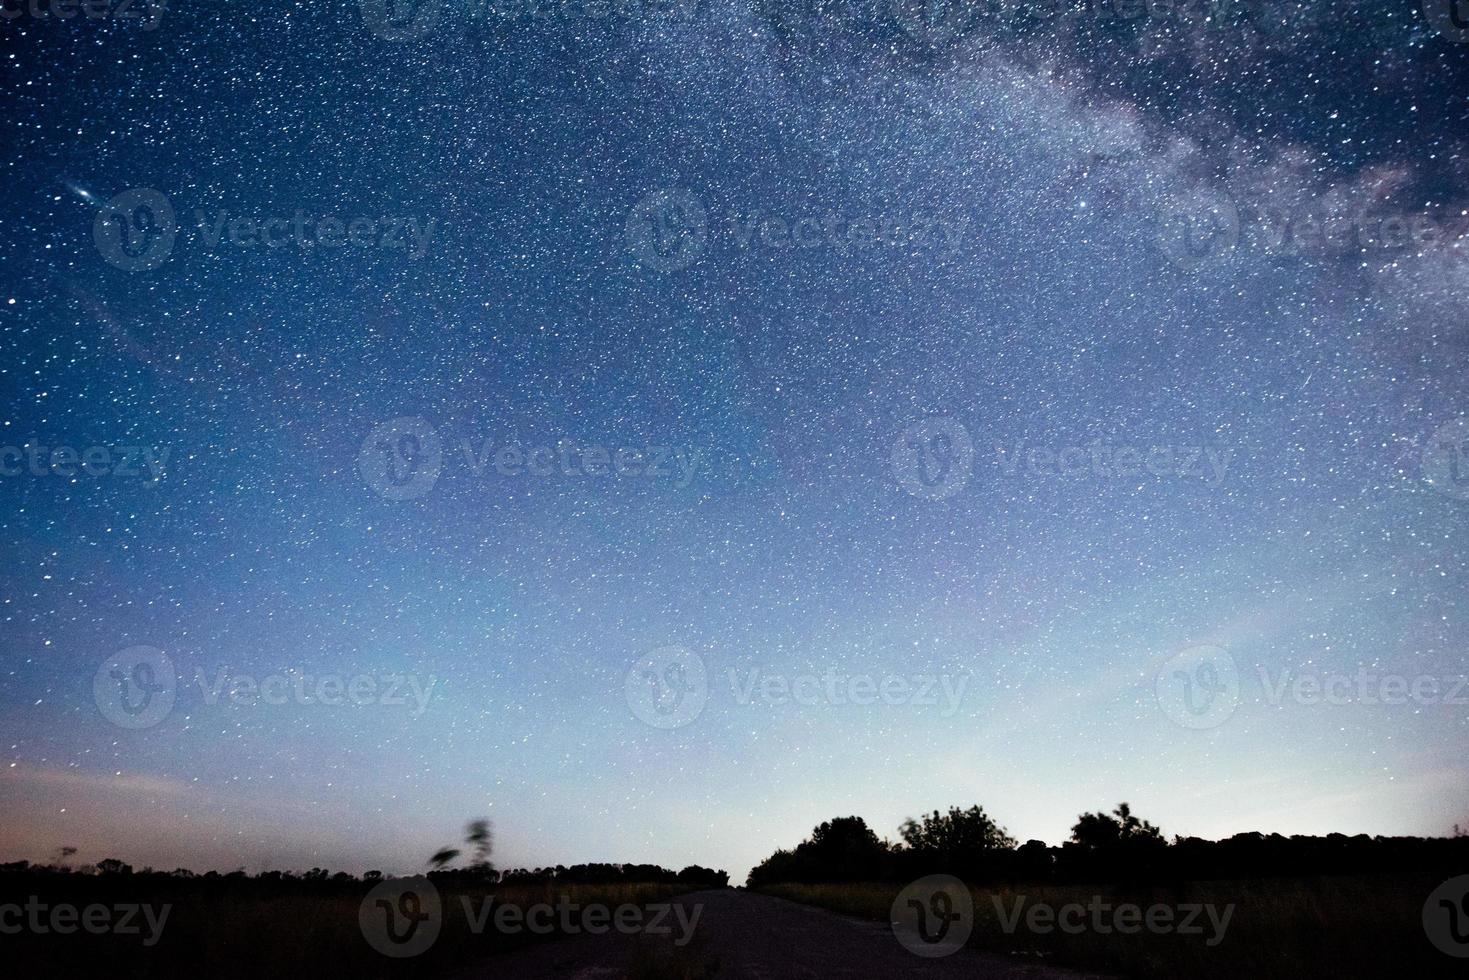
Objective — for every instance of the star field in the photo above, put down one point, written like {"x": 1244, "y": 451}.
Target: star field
{"x": 868, "y": 222}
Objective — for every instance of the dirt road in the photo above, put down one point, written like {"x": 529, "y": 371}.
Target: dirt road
{"x": 741, "y": 934}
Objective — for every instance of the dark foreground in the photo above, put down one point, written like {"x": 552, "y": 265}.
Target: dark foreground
{"x": 239, "y": 928}
{"x": 744, "y": 934}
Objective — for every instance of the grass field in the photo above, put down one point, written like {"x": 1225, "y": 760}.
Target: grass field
{"x": 1350, "y": 926}
{"x": 282, "y": 932}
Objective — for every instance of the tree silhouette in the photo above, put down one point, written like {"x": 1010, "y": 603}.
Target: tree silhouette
{"x": 956, "y": 832}
{"x": 443, "y": 856}
{"x": 480, "y": 838}
{"x": 841, "y": 849}
{"x": 1100, "y": 831}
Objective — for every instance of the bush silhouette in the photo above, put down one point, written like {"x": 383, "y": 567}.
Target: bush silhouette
{"x": 1117, "y": 847}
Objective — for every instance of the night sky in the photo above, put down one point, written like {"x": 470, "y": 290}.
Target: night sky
{"x": 608, "y": 357}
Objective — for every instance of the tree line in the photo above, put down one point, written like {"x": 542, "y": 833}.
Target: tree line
{"x": 479, "y": 841}
{"x": 1116, "y": 846}
{"x": 694, "y": 875}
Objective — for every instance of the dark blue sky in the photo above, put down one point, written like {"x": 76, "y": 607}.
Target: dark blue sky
{"x": 763, "y": 243}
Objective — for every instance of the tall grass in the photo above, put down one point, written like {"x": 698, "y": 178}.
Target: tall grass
{"x": 285, "y": 931}
{"x": 1281, "y": 929}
